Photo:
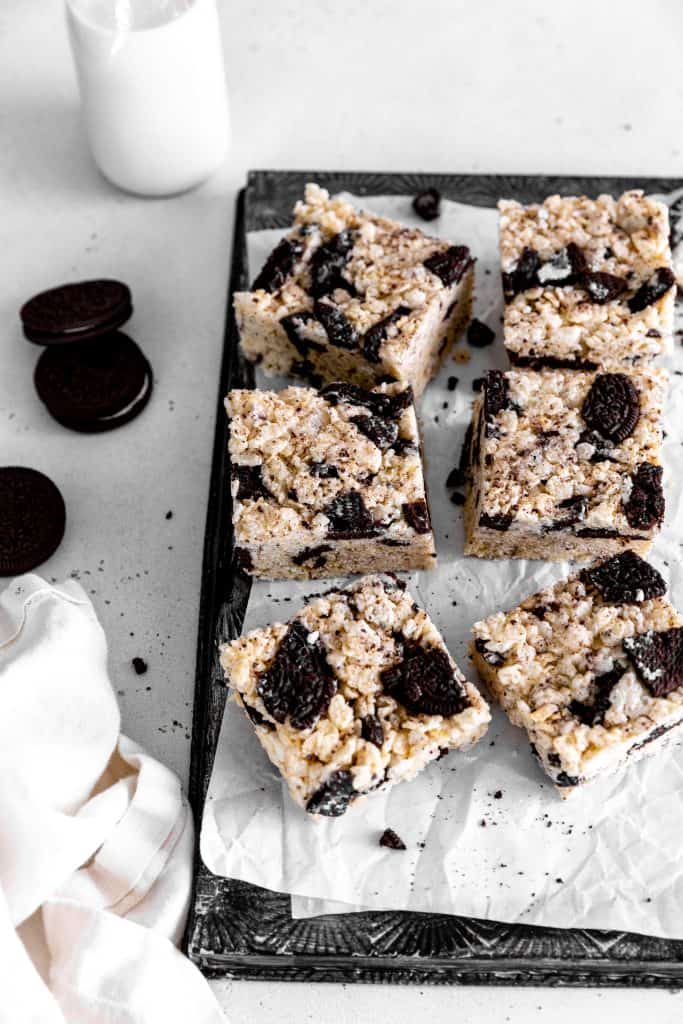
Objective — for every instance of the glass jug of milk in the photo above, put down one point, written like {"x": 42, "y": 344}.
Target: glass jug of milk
{"x": 152, "y": 86}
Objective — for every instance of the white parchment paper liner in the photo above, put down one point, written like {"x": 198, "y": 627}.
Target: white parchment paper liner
{"x": 608, "y": 858}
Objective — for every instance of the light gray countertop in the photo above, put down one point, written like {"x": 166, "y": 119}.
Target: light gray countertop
{"x": 440, "y": 85}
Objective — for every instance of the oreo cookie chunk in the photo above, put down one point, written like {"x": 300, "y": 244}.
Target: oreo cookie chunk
{"x": 333, "y": 740}
{"x": 93, "y": 387}
{"x": 76, "y": 312}
{"x": 32, "y": 519}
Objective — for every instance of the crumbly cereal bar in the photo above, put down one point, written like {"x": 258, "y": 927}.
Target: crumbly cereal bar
{"x": 329, "y": 482}
{"x": 350, "y": 296}
{"x": 356, "y": 693}
{"x": 565, "y": 464}
{"x": 587, "y": 282}
{"x": 592, "y": 668}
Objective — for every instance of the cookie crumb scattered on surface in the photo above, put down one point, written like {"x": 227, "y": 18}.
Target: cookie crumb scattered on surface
{"x": 391, "y": 840}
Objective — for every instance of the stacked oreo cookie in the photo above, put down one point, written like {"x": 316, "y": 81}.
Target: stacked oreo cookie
{"x": 91, "y": 376}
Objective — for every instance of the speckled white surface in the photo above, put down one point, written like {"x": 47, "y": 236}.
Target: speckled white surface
{"x": 574, "y": 88}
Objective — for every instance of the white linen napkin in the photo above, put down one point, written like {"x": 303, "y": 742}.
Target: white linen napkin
{"x": 96, "y": 837}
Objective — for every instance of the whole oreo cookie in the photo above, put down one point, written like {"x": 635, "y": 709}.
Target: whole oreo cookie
{"x": 76, "y": 312}
{"x": 93, "y": 388}
{"x": 32, "y": 519}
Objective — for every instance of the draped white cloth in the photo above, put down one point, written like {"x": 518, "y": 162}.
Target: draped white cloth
{"x": 96, "y": 837}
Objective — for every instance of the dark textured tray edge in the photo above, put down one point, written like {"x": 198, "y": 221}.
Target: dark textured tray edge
{"x": 238, "y": 930}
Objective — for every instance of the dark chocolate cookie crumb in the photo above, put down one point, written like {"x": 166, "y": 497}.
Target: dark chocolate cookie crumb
{"x": 416, "y": 514}
{"x": 380, "y": 431}
{"x": 496, "y": 522}
{"x": 327, "y": 264}
{"x": 612, "y": 406}
{"x": 457, "y": 498}
{"x": 140, "y": 666}
{"x": 323, "y": 470}
{"x": 243, "y": 560}
{"x": 495, "y": 393}
{"x": 593, "y": 713}
{"x": 479, "y": 335}
{"x": 294, "y": 325}
{"x": 575, "y": 510}
{"x": 456, "y": 477}
{"x": 652, "y": 290}
{"x": 644, "y": 508}
{"x": 524, "y": 276}
{"x": 452, "y": 383}
{"x": 423, "y": 681}
{"x": 349, "y": 517}
{"x": 313, "y": 554}
{"x": 339, "y": 330}
{"x": 657, "y": 659}
{"x": 390, "y": 839}
{"x": 299, "y": 683}
{"x": 256, "y": 717}
{"x": 427, "y": 204}
{"x": 450, "y": 266}
{"x": 389, "y": 406}
{"x": 334, "y": 796}
{"x": 278, "y": 266}
{"x": 625, "y": 578}
{"x": 601, "y": 287}
{"x": 493, "y": 658}
{"x": 371, "y": 730}
{"x": 250, "y": 485}
{"x": 375, "y": 335}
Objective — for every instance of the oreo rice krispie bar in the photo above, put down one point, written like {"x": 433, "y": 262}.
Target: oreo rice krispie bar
{"x": 592, "y": 668}
{"x": 587, "y": 282}
{"x": 356, "y": 693}
{"x": 327, "y": 483}
{"x": 565, "y": 464}
{"x": 350, "y": 296}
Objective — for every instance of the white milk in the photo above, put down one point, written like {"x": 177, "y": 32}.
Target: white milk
{"x": 153, "y": 90}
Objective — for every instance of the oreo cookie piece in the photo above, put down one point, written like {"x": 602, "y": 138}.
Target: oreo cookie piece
{"x": 93, "y": 388}
{"x": 299, "y": 683}
{"x": 625, "y": 578}
{"x": 657, "y": 659}
{"x": 391, "y": 840}
{"x": 334, "y": 796}
{"x": 423, "y": 681}
{"x": 76, "y": 312}
{"x": 427, "y": 204}
{"x": 32, "y": 519}
{"x": 644, "y": 509}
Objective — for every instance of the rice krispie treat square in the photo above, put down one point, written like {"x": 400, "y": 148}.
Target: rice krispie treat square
{"x": 350, "y": 296}
{"x": 356, "y": 693}
{"x": 587, "y": 282}
{"x": 565, "y": 464}
{"x": 328, "y": 483}
{"x": 592, "y": 668}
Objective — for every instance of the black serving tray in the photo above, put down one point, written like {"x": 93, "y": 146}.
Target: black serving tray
{"x": 244, "y": 931}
